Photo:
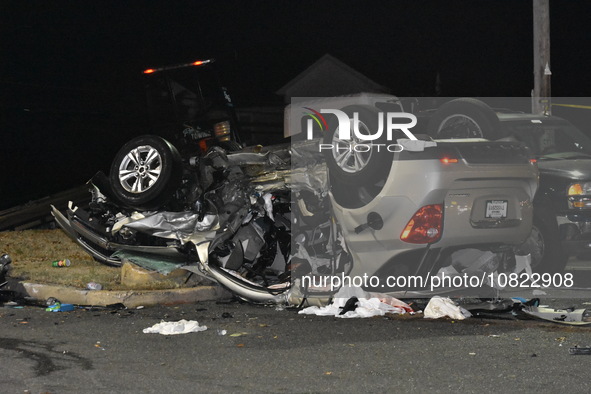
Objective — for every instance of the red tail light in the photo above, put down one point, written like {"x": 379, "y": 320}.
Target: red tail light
{"x": 203, "y": 145}
{"x": 425, "y": 226}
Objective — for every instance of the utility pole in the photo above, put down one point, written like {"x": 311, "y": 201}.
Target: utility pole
{"x": 541, "y": 96}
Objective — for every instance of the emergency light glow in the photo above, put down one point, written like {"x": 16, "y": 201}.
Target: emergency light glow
{"x": 174, "y": 67}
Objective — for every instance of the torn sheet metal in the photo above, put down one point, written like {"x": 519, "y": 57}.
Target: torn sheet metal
{"x": 267, "y": 170}
{"x": 174, "y": 225}
{"x": 122, "y": 220}
{"x": 277, "y": 157}
{"x": 313, "y": 178}
{"x": 308, "y": 169}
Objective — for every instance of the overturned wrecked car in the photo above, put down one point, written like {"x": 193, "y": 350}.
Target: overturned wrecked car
{"x": 279, "y": 224}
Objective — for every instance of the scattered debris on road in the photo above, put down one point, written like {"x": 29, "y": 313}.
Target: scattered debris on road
{"x": 174, "y": 328}
{"x": 571, "y": 316}
{"x": 352, "y": 302}
{"x": 57, "y": 306}
{"x": 579, "y": 350}
{"x": 445, "y": 307}
{"x": 94, "y": 286}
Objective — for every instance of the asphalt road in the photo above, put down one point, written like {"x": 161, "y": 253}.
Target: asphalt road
{"x": 105, "y": 351}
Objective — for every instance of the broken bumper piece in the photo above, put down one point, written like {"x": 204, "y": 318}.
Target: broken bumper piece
{"x": 74, "y": 223}
{"x": 98, "y": 245}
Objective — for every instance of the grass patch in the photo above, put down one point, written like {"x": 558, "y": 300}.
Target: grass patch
{"x": 33, "y": 251}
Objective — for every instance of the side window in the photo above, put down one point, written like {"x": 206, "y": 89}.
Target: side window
{"x": 210, "y": 87}
{"x": 547, "y": 142}
{"x": 159, "y": 100}
{"x": 529, "y": 135}
{"x": 564, "y": 141}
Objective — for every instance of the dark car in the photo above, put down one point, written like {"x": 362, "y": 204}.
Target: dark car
{"x": 562, "y": 206}
{"x": 189, "y": 106}
{"x": 564, "y": 159}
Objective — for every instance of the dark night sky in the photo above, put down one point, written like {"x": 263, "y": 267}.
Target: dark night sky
{"x": 57, "y": 51}
{"x": 479, "y": 47}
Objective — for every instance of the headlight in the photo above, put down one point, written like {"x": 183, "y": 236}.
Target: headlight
{"x": 579, "y": 195}
{"x": 578, "y": 189}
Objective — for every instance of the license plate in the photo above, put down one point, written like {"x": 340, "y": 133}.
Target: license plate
{"x": 496, "y": 209}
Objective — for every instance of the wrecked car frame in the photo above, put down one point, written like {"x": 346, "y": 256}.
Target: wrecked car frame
{"x": 258, "y": 221}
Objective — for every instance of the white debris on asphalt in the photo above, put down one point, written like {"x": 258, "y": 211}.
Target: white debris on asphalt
{"x": 442, "y": 307}
{"x": 368, "y": 305}
{"x": 174, "y": 328}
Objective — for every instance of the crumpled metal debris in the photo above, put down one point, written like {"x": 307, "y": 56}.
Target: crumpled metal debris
{"x": 5, "y": 262}
{"x": 5, "y": 295}
{"x": 569, "y": 316}
{"x": 173, "y": 225}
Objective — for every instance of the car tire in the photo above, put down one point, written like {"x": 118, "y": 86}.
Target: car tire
{"x": 465, "y": 118}
{"x": 357, "y": 168}
{"x": 145, "y": 172}
{"x": 544, "y": 245}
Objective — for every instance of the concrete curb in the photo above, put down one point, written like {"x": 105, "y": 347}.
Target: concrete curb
{"x": 129, "y": 298}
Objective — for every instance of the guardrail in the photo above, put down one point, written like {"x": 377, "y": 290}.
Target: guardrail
{"x": 37, "y": 213}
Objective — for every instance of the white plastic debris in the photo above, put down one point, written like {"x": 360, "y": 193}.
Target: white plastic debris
{"x": 174, "y": 328}
{"x": 473, "y": 262}
{"x": 442, "y": 307}
{"x": 523, "y": 263}
{"x": 415, "y": 145}
{"x": 368, "y": 305}
{"x": 267, "y": 197}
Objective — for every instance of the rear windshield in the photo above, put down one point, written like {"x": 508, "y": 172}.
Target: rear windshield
{"x": 183, "y": 94}
{"x": 556, "y": 139}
